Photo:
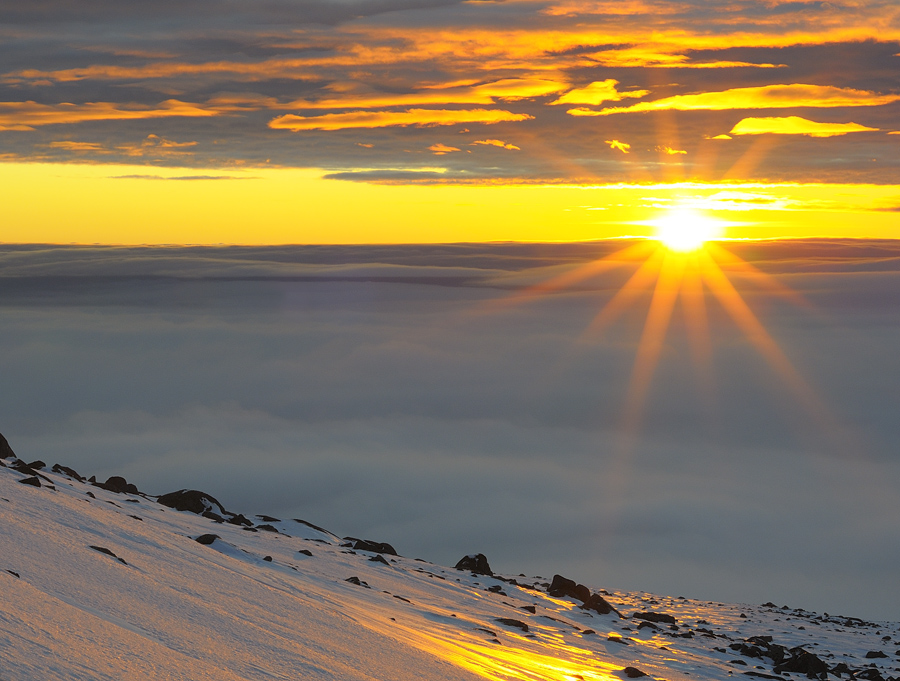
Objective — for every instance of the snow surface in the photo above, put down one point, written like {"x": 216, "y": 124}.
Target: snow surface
{"x": 178, "y": 609}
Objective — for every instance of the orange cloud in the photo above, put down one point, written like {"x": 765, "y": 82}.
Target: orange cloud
{"x": 794, "y": 125}
{"x": 624, "y": 147}
{"x": 598, "y": 92}
{"x": 154, "y": 145}
{"x": 27, "y": 115}
{"x": 383, "y": 119}
{"x": 497, "y": 143}
{"x": 441, "y": 149}
{"x": 765, "y": 97}
{"x": 486, "y": 93}
{"x": 669, "y": 150}
{"x": 70, "y": 145}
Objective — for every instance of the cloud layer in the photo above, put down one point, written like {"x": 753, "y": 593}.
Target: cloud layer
{"x": 358, "y": 85}
{"x": 417, "y": 395}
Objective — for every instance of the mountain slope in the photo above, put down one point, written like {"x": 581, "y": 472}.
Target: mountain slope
{"x": 99, "y": 584}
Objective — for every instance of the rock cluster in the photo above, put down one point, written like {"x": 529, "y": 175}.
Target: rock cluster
{"x": 562, "y": 587}
{"x": 477, "y": 563}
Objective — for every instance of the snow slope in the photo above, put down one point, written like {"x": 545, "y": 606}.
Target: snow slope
{"x": 253, "y": 605}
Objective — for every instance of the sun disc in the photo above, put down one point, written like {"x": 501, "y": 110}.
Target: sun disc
{"x": 685, "y": 230}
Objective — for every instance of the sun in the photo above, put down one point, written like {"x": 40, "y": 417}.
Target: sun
{"x": 685, "y": 229}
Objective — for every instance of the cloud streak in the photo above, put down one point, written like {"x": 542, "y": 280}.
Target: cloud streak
{"x": 383, "y": 119}
{"x": 795, "y": 125}
{"x": 764, "y": 97}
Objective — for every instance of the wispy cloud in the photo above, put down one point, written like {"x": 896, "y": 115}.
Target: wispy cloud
{"x": 795, "y": 125}
{"x": 27, "y": 115}
{"x": 497, "y": 143}
{"x": 382, "y": 119}
{"x": 764, "y": 97}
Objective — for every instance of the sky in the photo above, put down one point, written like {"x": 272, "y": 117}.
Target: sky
{"x": 386, "y": 121}
{"x": 393, "y": 253}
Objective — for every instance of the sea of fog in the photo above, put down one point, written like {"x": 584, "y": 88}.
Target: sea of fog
{"x": 454, "y": 399}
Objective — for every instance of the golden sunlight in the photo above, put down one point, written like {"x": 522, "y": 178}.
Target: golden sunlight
{"x": 684, "y": 229}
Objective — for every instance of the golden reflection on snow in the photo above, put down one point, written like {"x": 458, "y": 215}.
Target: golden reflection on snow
{"x": 500, "y": 662}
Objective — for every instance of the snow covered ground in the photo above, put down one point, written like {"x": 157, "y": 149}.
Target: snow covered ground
{"x": 97, "y": 584}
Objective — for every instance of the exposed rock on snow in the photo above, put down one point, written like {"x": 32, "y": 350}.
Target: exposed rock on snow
{"x": 373, "y": 546}
{"x": 508, "y": 621}
{"x": 6, "y": 451}
{"x": 65, "y": 470}
{"x": 103, "y": 549}
{"x": 475, "y": 562}
{"x": 654, "y": 617}
{"x": 193, "y": 501}
{"x": 206, "y": 539}
{"x": 118, "y": 484}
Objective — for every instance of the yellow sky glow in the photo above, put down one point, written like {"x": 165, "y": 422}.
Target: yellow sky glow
{"x": 67, "y": 203}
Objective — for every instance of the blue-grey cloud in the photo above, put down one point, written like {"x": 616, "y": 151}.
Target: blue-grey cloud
{"x": 409, "y": 393}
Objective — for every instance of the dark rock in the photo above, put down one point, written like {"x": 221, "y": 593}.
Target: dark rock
{"x": 92, "y": 479}
{"x": 600, "y": 605}
{"x": 378, "y": 559}
{"x": 477, "y": 563}
{"x": 91, "y": 495}
{"x": 776, "y": 653}
{"x": 206, "y": 539}
{"x": 267, "y": 528}
{"x": 737, "y": 662}
{"x": 305, "y": 552}
{"x": 528, "y": 608}
{"x": 588, "y": 632}
{"x": 193, "y": 501}
{"x": 33, "y": 481}
{"x": 103, "y": 549}
{"x": 496, "y": 589}
{"x": 803, "y": 662}
{"x": 633, "y": 672}
{"x": 518, "y": 624}
{"x": 37, "y": 465}
{"x": 22, "y": 467}
{"x": 315, "y": 527}
{"x": 870, "y": 674}
{"x": 6, "y": 451}
{"x": 136, "y": 517}
{"x": 14, "y": 574}
{"x": 65, "y": 470}
{"x": 761, "y": 675}
{"x": 238, "y": 519}
{"x": 873, "y": 654}
{"x": 561, "y": 587}
{"x": 581, "y": 592}
{"x": 213, "y": 516}
{"x": 747, "y": 651}
{"x": 119, "y": 485}
{"x": 648, "y": 625}
{"x": 268, "y": 559}
{"x": 654, "y": 617}
{"x": 357, "y": 581}
{"x": 841, "y": 668}
{"x": 760, "y": 640}
{"x": 743, "y": 616}
{"x": 373, "y": 546}
{"x": 268, "y": 519}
